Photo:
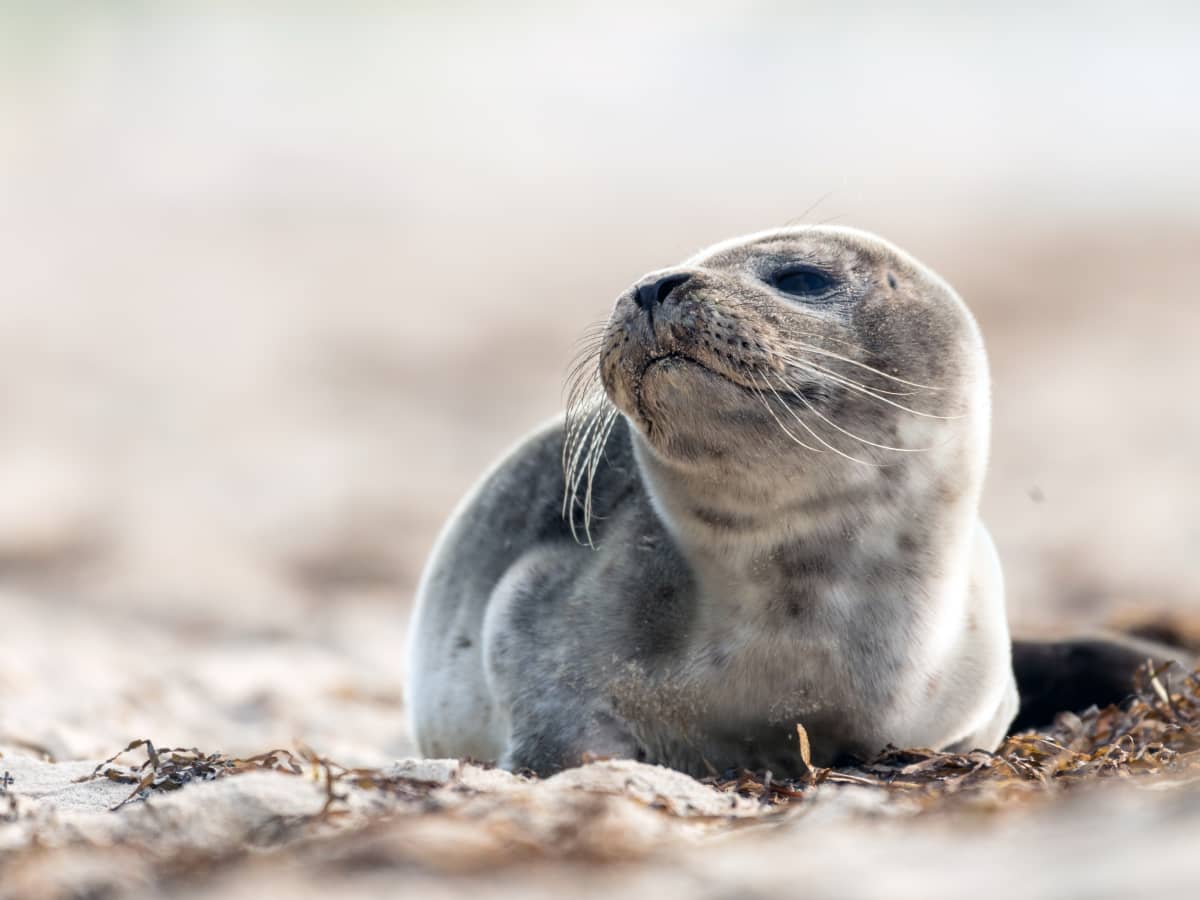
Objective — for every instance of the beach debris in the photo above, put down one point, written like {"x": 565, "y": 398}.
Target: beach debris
{"x": 171, "y": 768}
{"x": 168, "y": 769}
{"x": 1155, "y": 731}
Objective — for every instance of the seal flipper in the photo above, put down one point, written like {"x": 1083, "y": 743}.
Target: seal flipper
{"x": 1056, "y": 676}
{"x": 547, "y": 740}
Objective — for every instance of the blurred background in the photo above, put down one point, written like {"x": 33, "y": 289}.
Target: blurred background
{"x": 278, "y": 281}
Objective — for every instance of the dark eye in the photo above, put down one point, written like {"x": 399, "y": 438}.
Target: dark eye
{"x": 803, "y": 282}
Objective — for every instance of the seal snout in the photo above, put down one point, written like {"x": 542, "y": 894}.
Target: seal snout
{"x": 654, "y": 291}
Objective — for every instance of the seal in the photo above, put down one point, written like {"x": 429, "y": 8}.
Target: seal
{"x": 774, "y": 454}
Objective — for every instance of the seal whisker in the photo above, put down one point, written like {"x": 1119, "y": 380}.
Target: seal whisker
{"x": 814, "y": 434}
{"x": 763, "y": 398}
{"x": 856, "y": 386}
{"x": 789, "y": 335}
{"x": 593, "y": 463}
{"x": 799, "y": 360}
{"x": 593, "y": 334}
{"x": 811, "y": 209}
{"x": 578, "y": 420}
{"x": 583, "y": 371}
{"x": 589, "y": 422}
{"x": 573, "y": 472}
{"x": 584, "y": 394}
{"x": 585, "y": 355}
{"x": 585, "y": 398}
{"x": 863, "y": 365}
{"x": 586, "y": 358}
{"x": 595, "y": 329}
{"x": 587, "y": 349}
{"x": 816, "y": 412}
{"x": 584, "y": 417}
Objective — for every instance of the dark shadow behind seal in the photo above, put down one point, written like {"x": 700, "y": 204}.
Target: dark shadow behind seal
{"x": 1072, "y": 675}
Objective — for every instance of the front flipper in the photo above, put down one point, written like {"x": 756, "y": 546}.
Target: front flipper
{"x": 549, "y": 689}
{"x": 553, "y": 734}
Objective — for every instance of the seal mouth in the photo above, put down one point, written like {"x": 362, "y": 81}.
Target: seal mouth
{"x": 675, "y": 357}
{"x": 653, "y": 362}
{"x": 671, "y": 357}
{"x": 798, "y": 395}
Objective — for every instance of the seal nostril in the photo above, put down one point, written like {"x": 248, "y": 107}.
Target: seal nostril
{"x": 656, "y": 292}
{"x": 669, "y": 284}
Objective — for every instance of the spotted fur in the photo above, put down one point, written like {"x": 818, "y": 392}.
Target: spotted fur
{"x": 780, "y": 496}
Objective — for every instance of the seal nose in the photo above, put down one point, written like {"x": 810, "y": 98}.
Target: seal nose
{"x": 652, "y": 293}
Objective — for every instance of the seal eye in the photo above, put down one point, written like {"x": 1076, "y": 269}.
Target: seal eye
{"x": 803, "y": 282}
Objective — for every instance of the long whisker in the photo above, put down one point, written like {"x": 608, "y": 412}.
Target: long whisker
{"x": 593, "y": 463}
{"x": 861, "y": 365}
{"x": 587, "y": 347}
{"x": 589, "y": 421}
{"x": 812, "y": 208}
{"x": 855, "y": 386}
{"x": 574, "y": 477}
{"x": 816, "y": 412}
{"x": 575, "y": 447}
{"x": 598, "y": 326}
{"x": 788, "y": 335}
{"x": 817, "y": 436}
{"x": 762, "y": 397}
{"x": 799, "y": 360}
{"x": 578, "y": 419}
{"x": 584, "y": 365}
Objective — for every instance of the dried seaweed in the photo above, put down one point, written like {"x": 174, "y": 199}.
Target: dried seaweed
{"x": 1156, "y": 731}
{"x": 169, "y": 769}
{"x": 334, "y": 774}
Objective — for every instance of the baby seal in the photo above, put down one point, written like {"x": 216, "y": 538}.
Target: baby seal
{"x": 774, "y": 459}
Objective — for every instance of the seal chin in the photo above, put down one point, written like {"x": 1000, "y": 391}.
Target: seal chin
{"x": 678, "y": 396}
{"x": 669, "y": 380}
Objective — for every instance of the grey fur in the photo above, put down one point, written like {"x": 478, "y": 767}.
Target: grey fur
{"x": 740, "y": 583}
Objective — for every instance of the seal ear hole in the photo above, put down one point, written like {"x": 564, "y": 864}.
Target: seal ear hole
{"x": 891, "y": 281}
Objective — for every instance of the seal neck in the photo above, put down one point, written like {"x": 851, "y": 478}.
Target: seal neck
{"x": 732, "y": 518}
{"x": 754, "y": 532}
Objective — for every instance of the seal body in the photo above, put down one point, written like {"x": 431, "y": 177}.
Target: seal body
{"x": 771, "y": 520}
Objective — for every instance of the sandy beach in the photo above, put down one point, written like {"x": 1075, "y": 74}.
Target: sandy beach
{"x": 278, "y": 287}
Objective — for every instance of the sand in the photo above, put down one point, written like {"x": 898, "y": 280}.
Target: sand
{"x": 81, "y": 686}
{"x": 444, "y": 828}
